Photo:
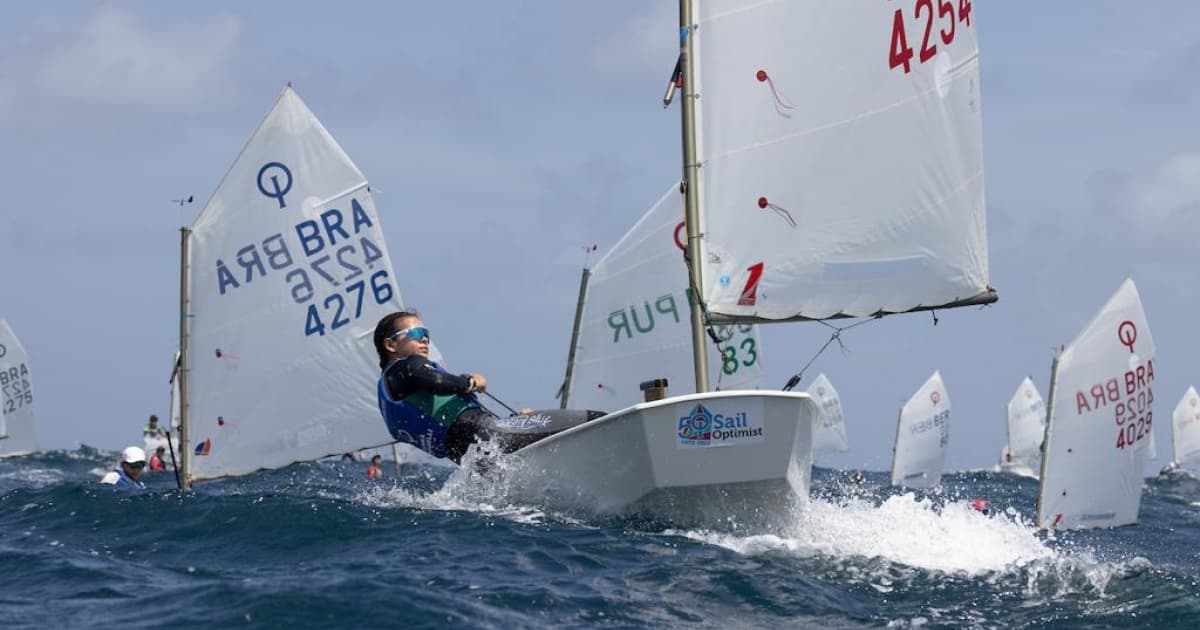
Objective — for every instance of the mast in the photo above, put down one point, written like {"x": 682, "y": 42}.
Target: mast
{"x": 565, "y": 390}
{"x": 896, "y": 443}
{"x": 1046, "y": 440}
{"x": 184, "y": 309}
{"x": 691, "y": 197}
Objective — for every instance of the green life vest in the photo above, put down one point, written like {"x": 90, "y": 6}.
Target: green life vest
{"x": 443, "y": 409}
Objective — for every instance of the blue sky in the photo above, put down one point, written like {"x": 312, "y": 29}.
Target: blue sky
{"x": 504, "y": 136}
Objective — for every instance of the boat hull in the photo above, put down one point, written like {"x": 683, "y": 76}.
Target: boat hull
{"x": 736, "y": 456}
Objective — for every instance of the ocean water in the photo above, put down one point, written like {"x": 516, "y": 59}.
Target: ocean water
{"x": 319, "y": 546}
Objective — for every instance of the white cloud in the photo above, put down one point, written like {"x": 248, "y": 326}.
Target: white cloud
{"x": 115, "y": 59}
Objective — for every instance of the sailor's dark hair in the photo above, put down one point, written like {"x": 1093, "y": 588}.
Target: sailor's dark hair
{"x": 385, "y": 328}
{"x": 153, "y": 418}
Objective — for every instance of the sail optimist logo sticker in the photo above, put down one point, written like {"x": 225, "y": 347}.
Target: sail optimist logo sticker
{"x": 702, "y": 428}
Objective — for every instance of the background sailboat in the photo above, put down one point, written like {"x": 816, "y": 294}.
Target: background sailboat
{"x": 922, "y": 435}
{"x": 1026, "y": 413}
{"x": 633, "y": 321}
{"x": 830, "y": 433}
{"x": 18, "y": 422}
{"x": 1185, "y": 430}
{"x": 1098, "y": 420}
{"x": 285, "y": 274}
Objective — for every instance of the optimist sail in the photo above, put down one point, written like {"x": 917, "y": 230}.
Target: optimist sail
{"x": 787, "y": 140}
{"x": 830, "y": 434}
{"x": 1026, "y": 423}
{"x": 634, "y": 322}
{"x": 1099, "y": 418}
{"x": 288, "y": 274}
{"x": 922, "y": 435}
{"x": 1185, "y": 425}
{"x": 18, "y": 431}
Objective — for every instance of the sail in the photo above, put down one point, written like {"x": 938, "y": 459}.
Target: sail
{"x": 845, "y": 183}
{"x": 830, "y": 436}
{"x": 634, "y": 324}
{"x": 1026, "y": 422}
{"x": 922, "y": 436}
{"x": 1097, "y": 428}
{"x": 288, "y": 275}
{"x": 17, "y": 420}
{"x": 1185, "y": 425}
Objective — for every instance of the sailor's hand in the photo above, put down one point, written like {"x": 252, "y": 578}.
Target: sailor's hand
{"x": 525, "y": 411}
{"x": 480, "y": 382}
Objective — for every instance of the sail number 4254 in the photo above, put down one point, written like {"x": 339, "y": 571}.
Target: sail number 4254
{"x": 941, "y": 14}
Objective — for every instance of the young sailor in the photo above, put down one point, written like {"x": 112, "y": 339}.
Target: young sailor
{"x": 436, "y": 411}
{"x": 133, "y": 463}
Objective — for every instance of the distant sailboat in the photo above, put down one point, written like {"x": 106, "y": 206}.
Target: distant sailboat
{"x": 18, "y": 424}
{"x": 285, "y": 274}
{"x": 830, "y": 434}
{"x": 632, "y": 321}
{"x": 1185, "y": 431}
{"x": 922, "y": 435}
{"x": 1098, "y": 420}
{"x": 1026, "y": 425}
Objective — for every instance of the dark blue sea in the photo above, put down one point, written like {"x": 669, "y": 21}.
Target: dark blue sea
{"x": 319, "y": 546}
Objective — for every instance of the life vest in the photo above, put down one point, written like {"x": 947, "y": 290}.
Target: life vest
{"x": 421, "y": 418}
{"x": 119, "y": 479}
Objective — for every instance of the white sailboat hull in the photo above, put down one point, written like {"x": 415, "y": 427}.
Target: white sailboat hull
{"x": 637, "y": 462}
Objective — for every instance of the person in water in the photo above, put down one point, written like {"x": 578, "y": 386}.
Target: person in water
{"x": 436, "y": 411}
{"x": 375, "y": 470}
{"x": 133, "y": 463}
{"x": 450, "y": 417}
{"x": 157, "y": 463}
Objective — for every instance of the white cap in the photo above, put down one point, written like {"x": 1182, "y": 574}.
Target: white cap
{"x": 133, "y": 455}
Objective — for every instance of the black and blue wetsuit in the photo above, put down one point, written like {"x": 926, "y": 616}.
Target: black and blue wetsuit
{"x": 436, "y": 411}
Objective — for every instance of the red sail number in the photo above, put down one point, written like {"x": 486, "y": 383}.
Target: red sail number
{"x": 900, "y": 54}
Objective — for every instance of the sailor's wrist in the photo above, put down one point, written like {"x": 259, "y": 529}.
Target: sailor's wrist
{"x": 470, "y": 384}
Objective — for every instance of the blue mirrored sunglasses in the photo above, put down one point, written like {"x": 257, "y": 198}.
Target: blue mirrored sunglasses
{"x": 416, "y": 333}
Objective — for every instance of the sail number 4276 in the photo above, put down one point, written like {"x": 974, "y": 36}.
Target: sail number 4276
{"x": 941, "y": 14}
{"x": 343, "y": 307}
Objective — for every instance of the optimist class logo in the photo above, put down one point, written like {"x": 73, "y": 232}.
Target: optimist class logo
{"x": 1127, "y": 334}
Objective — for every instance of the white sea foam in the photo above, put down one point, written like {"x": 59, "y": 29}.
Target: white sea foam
{"x": 952, "y": 538}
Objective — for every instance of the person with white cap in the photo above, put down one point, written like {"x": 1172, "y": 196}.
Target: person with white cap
{"x": 133, "y": 463}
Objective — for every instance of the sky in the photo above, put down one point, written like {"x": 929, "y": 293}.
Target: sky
{"x": 500, "y": 138}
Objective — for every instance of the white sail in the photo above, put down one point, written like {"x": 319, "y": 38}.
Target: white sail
{"x": 634, "y": 325}
{"x": 838, "y": 178}
{"x": 1185, "y": 425}
{"x": 17, "y": 419}
{"x": 830, "y": 434}
{"x": 1026, "y": 422}
{"x": 289, "y": 273}
{"x": 1097, "y": 434}
{"x": 922, "y": 435}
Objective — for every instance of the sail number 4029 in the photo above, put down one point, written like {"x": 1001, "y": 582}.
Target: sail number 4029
{"x": 900, "y": 54}
{"x": 347, "y": 305}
